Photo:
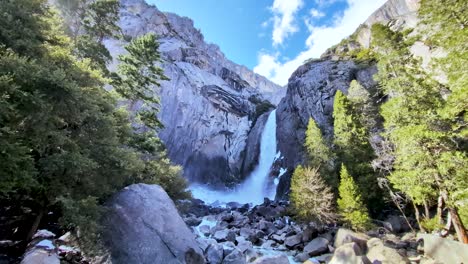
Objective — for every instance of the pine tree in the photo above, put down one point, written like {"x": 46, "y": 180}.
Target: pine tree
{"x": 139, "y": 77}
{"x": 319, "y": 154}
{"x": 89, "y": 22}
{"x": 421, "y": 135}
{"x": 353, "y": 148}
{"x": 350, "y": 204}
{"x": 311, "y": 198}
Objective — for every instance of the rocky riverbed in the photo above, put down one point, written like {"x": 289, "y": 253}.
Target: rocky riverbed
{"x": 144, "y": 226}
{"x": 235, "y": 233}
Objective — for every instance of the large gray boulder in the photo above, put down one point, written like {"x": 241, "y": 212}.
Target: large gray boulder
{"x": 40, "y": 256}
{"x": 349, "y": 253}
{"x": 142, "y": 225}
{"x": 317, "y": 246}
{"x": 444, "y": 250}
{"x": 379, "y": 253}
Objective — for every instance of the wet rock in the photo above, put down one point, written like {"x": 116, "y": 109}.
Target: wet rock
{"x": 205, "y": 230}
{"x": 214, "y": 254}
{"x": 193, "y": 221}
{"x": 279, "y": 238}
{"x": 293, "y": 241}
{"x": 244, "y": 245}
{"x": 317, "y": 246}
{"x": 235, "y": 257}
{"x": 224, "y": 235}
{"x": 228, "y": 247}
{"x": 251, "y": 255}
{"x": 301, "y": 257}
{"x": 279, "y": 259}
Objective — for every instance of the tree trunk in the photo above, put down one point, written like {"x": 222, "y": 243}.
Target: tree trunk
{"x": 448, "y": 225}
{"x": 416, "y": 214}
{"x": 427, "y": 215}
{"x": 36, "y": 223}
{"x": 440, "y": 207}
{"x": 458, "y": 225}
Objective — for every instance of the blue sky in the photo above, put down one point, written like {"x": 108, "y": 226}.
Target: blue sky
{"x": 273, "y": 37}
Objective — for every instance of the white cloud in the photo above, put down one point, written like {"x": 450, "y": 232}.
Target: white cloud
{"x": 283, "y": 19}
{"x": 320, "y": 38}
{"x": 316, "y": 13}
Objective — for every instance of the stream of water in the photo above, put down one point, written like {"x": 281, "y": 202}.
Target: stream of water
{"x": 258, "y": 185}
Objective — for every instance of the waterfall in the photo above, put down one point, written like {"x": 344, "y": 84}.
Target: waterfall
{"x": 258, "y": 185}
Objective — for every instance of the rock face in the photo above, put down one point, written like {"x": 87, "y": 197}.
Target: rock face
{"x": 311, "y": 91}
{"x": 312, "y": 87}
{"x": 209, "y": 105}
{"x": 143, "y": 226}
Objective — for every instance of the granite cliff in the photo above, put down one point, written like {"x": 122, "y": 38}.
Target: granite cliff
{"x": 210, "y": 104}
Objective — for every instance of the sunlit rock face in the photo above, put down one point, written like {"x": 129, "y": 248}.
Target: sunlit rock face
{"x": 312, "y": 87}
{"x": 209, "y": 104}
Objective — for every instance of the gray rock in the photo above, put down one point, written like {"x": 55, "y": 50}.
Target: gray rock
{"x": 193, "y": 221}
{"x": 379, "y": 253}
{"x": 214, "y": 254}
{"x": 444, "y": 250}
{"x": 293, "y": 241}
{"x": 279, "y": 259}
{"x": 205, "y": 230}
{"x": 244, "y": 245}
{"x": 251, "y": 255}
{"x": 349, "y": 253}
{"x": 279, "y": 238}
{"x": 224, "y": 235}
{"x": 301, "y": 257}
{"x": 317, "y": 246}
{"x": 143, "y": 226}
{"x": 40, "y": 256}
{"x": 396, "y": 224}
{"x": 236, "y": 257}
{"x": 344, "y": 236}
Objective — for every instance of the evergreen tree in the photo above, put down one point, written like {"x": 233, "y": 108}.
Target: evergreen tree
{"x": 350, "y": 204}
{"x": 64, "y": 143}
{"x": 89, "y": 22}
{"x": 353, "y": 148}
{"x": 311, "y": 198}
{"x": 423, "y": 139}
{"x": 319, "y": 154}
{"x": 139, "y": 76}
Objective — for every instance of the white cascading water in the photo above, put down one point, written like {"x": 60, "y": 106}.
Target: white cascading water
{"x": 258, "y": 185}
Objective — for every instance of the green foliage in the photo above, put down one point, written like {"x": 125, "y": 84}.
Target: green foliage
{"x": 350, "y": 204}
{"x": 63, "y": 142}
{"x": 311, "y": 198}
{"x": 89, "y": 22}
{"x": 319, "y": 154}
{"x": 353, "y": 149}
{"x": 138, "y": 76}
{"x": 431, "y": 224}
{"x": 430, "y": 157}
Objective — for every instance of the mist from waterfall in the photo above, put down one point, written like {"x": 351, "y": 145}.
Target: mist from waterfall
{"x": 258, "y": 185}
